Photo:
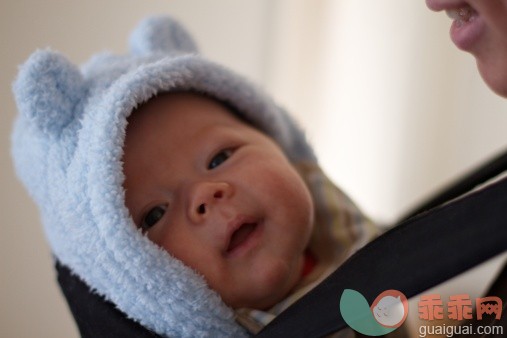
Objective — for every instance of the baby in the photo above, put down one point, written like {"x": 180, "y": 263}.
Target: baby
{"x": 175, "y": 189}
{"x": 219, "y": 195}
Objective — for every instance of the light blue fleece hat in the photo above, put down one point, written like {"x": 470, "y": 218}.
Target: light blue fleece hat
{"x": 67, "y": 146}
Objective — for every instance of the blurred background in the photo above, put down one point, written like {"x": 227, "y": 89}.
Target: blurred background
{"x": 393, "y": 109}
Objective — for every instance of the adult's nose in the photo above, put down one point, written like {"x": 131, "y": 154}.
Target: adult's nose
{"x": 206, "y": 197}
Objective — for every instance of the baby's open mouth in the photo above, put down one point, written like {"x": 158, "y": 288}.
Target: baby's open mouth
{"x": 240, "y": 236}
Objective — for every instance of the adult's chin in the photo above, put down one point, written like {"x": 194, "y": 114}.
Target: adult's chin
{"x": 494, "y": 75}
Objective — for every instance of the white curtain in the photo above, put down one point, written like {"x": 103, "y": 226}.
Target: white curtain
{"x": 393, "y": 108}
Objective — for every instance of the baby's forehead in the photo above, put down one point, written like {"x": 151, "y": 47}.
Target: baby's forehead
{"x": 187, "y": 109}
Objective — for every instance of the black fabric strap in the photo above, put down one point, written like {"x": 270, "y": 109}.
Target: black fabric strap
{"x": 412, "y": 257}
{"x": 95, "y": 316}
{"x": 479, "y": 175}
{"x": 498, "y": 289}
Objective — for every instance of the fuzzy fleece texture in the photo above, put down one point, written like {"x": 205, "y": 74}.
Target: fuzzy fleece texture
{"x": 67, "y": 149}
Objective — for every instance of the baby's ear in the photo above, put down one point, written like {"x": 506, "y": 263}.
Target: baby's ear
{"x": 161, "y": 34}
{"x": 47, "y": 89}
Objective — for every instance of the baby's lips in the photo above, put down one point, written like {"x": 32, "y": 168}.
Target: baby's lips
{"x": 239, "y": 230}
{"x": 241, "y": 235}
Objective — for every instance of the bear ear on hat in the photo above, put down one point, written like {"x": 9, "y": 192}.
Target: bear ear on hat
{"x": 161, "y": 34}
{"x": 47, "y": 90}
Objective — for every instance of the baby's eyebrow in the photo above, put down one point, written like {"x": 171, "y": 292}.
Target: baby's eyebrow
{"x": 219, "y": 127}
{"x": 219, "y": 132}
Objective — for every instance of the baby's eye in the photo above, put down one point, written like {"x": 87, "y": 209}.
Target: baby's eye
{"x": 152, "y": 217}
{"x": 220, "y": 158}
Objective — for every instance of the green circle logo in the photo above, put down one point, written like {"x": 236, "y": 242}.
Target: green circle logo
{"x": 387, "y": 312}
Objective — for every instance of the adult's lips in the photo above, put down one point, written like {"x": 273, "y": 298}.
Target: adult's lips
{"x": 462, "y": 15}
{"x": 467, "y": 28}
{"x": 443, "y": 5}
{"x": 458, "y": 10}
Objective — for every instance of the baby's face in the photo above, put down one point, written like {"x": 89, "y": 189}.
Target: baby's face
{"x": 219, "y": 195}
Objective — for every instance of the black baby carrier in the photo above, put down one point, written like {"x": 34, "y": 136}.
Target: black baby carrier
{"x": 444, "y": 237}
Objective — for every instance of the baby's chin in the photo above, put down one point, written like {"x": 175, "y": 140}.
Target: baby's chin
{"x": 271, "y": 285}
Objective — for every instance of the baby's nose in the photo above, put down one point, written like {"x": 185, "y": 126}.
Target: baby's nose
{"x": 205, "y": 197}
